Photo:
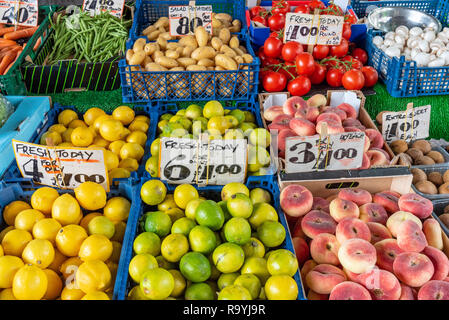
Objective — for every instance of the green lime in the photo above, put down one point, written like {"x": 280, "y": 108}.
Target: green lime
{"x": 202, "y": 239}
{"x": 139, "y": 264}
{"x": 158, "y": 222}
{"x": 209, "y": 214}
{"x": 239, "y": 114}
{"x": 183, "y": 225}
{"x": 181, "y": 112}
{"x": 250, "y": 282}
{"x": 237, "y": 230}
{"x": 254, "y": 248}
{"x": 227, "y": 279}
{"x": 194, "y": 111}
{"x": 174, "y": 246}
{"x": 224, "y": 206}
{"x": 282, "y": 261}
{"x": 259, "y": 195}
{"x": 195, "y": 267}
{"x": 271, "y": 233}
{"x": 234, "y": 292}
{"x": 228, "y": 257}
{"x": 199, "y": 291}
{"x": 147, "y": 242}
{"x": 157, "y": 284}
{"x": 262, "y": 212}
{"x": 249, "y": 116}
{"x": 240, "y": 205}
{"x": 162, "y": 263}
{"x": 199, "y": 125}
{"x": 166, "y": 116}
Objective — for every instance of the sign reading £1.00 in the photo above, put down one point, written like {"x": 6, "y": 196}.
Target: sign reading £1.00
{"x": 341, "y": 151}
{"x": 312, "y": 29}
{"x": 64, "y": 168}
{"x": 22, "y": 13}
{"x": 94, "y": 7}
{"x": 184, "y": 19}
{"x": 202, "y": 162}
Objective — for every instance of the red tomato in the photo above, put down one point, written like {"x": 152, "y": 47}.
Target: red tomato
{"x": 260, "y": 19}
{"x": 333, "y": 77}
{"x": 360, "y": 55}
{"x": 319, "y": 74}
{"x": 290, "y": 50}
{"x": 350, "y": 19}
{"x": 302, "y": 8}
{"x": 262, "y": 56}
{"x": 370, "y": 75}
{"x": 334, "y": 10}
{"x": 354, "y": 63}
{"x": 276, "y": 22}
{"x": 320, "y": 52}
{"x": 256, "y": 11}
{"x": 300, "y": 86}
{"x": 274, "y": 82}
{"x": 281, "y": 6}
{"x": 273, "y": 47}
{"x": 263, "y": 72}
{"x": 341, "y": 50}
{"x": 305, "y": 64}
{"x": 346, "y": 33}
{"x": 353, "y": 80}
{"x": 316, "y": 4}
{"x": 277, "y": 34}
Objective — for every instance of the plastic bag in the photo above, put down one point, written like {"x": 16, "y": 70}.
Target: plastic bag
{"x": 6, "y": 110}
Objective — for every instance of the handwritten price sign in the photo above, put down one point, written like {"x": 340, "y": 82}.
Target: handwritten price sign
{"x": 64, "y": 168}
{"x": 184, "y": 19}
{"x": 94, "y": 7}
{"x": 23, "y": 13}
{"x": 333, "y": 152}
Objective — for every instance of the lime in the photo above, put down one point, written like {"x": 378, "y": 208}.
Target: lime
{"x": 237, "y": 230}
{"x": 195, "y": 267}
{"x": 183, "y": 225}
{"x": 166, "y": 116}
{"x": 184, "y": 193}
{"x": 174, "y": 246}
{"x": 175, "y": 214}
{"x": 262, "y": 212}
{"x": 228, "y": 257}
{"x": 213, "y": 108}
{"x": 199, "y": 126}
{"x": 199, "y": 291}
{"x": 282, "y": 261}
{"x": 158, "y": 222}
{"x": 180, "y": 283}
{"x": 227, "y": 279}
{"x": 271, "y": 233}
{"x": 253, "y": 248}
{"x": 139, "y": 264}
{"x": 215, "y": 273}
{"x": 260, "y": 137}
{"x": 234, "y": 292}
{"x": 250, "y": 282}
{"x": 162, "y": 263}
{"x": 202, "y": 239}
{"x": 194, "y": 111}
{"x": 209, "y": 214}
{"x": 101, "y": 225}
{"x": 153, "y": 192}
{"x": 239, "y": 115}
{"x": 136, "y": 294}
{"x": 157, "y": 284}
{"x": 147, "y": 242}
{"x": 224, "y": 206}
{"x": 256, "y": 266}
{"x": 240, "y": 205}
{"x": 249, "y": 116}
{"x": 233, "y": 188}
{"x": 258, "y": 195}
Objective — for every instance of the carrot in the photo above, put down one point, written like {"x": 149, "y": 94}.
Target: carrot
{"x": 5, "y": 43}
{"x": 38, "y": 43}
{"x": 14, "y": 61}
{"x": 24, "y": 33}
{"x": 6, "y": 61}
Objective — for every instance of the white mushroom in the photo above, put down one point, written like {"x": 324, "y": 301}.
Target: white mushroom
{"x": 445, "y": 56}
{"x": 413, "y": 42}
{"x": 422, "y": 59}
{"x": 414, "y": 52}
{"x": 438, "y": 62}
{"x": 415, "y": 32}
{"x": 389, "y": 42}
{"x": 393, "y": 52}
{"x": 399, "y": 39}
{"x": 424, "y": 46}
{"x": 377, "y": 40}
{"x": 389, "y": 35}
{"x": 429, "y": 36}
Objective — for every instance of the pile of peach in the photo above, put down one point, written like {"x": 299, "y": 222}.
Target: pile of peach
{"x": 298, "y": 117}
{"x": 367, "y": 247}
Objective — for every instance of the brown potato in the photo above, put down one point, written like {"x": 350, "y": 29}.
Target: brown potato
{"x": 399, "y": 146}
{"x": 436, "y": 156}
{"x": 422, "y": 145}
{"x": 418, "y": 175}
{"x": 436, "y": 178}
{"x": 426, "y": 187}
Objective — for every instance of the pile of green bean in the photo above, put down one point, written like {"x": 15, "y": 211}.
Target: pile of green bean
{"x": 88, "y": 39}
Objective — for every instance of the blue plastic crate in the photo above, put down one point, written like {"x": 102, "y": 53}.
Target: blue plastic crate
{"x": 149, "y": 11}
{"x": 23, "y": 191}
{"x": 124, "y": 283}
{"x": 145, "y": 86}
{"x": 13, "y": 174}
{"x": 404, "y": 78}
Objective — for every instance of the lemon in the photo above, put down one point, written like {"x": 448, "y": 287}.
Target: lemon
{"x": 98, "y": 121}
{"x": 116, "y": 250}
{"x": 29, "y": 283}
{"x": 53, "y": 137}
{"x": 46, "y": 229}
{"x": 155, "y": 147}
{"x": 67, "y": 135}
{"x": 137, "y": 137}
{"x": 101, "y": 225}
{"x": 93, "y": 276}
{"x": 96, "y": 295}
{"x": 143, "y": 118}
{"x": 43, "y": 198}
{"x": 123, "y": 114}
{"x": 113, "y": 268}
{"x": 184, "y": 193}
{"x": 110, "y": 160}
{"x": 139, "y": 264}
{"x": 167, "y": 204}
{"x": 87, "y": 218}
{"x": 111, "y": 129}
{"x": 134, "y": 294}
{"x": 157, "y": 284}
{"x": 54, "y": 285}
{"x": 67, "y": 116}
{"x": 95, "y": 147}
{"x": 65, "y": 145}
{"x": 77, "y": 123}
{"x": 95, "y": 247}
{"x": 81, "y": 137}
{"x": 213, "y": 108}
{"x": 69, "y": 239}
{"x": 153, "y": 192}
{"x": 131, "y": 150}
{"x": 39, "y": 252}
{"x": 152, "y": 166}
{"x": 66, "y": 210}
{"x": 15, "y": 241}
{"x": 2, "y": 253}
{"x": 99, "y": 141}
{"x": 180, "y": 283}
{"x": 57, "y": 261}
{"x": 69, "y": 266}
{"x": 9, "y": 265}
{"x": 118, "y": 173}
{"x": 91, "y": 114}
{"x": 117, "y": 209}
{"x": 90, "y": 195}
{"x": 7, "y": 294}
{"x": 59, "y": 128}
{"x": 26, "y": 219}
{"x": 115, "y": 146}
{"x": 129, "y": 164}
{"x": 5, "y": 231}
{"x": 12, "y": 210}
{"x": 72, "y": 294}
{"x": 139, "y": 125}
{"x": 120, "y": 228}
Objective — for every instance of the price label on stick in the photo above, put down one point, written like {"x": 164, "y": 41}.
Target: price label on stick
{"x": 22, "y": 13}
{"x": 312, "y": 29}
{"x": 192, "y": 161}
{"x": 64, "y": 168}
{"x": 94, "y": 7}
{"x": 184, "y": 19}
{"x": 341, "y": 151}
{"x": 408, "y": 125}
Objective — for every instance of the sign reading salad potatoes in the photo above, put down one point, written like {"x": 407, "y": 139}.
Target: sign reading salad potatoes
{"x": 64, "y": 168}
{"x": 94, "y": 7}
{"x": 22, "y": 13}
{"x": 184, "y": 19}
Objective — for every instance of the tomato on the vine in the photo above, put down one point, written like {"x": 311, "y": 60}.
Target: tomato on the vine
{"x": 346, "y": 33}
{"x": 276, "y": 22}
{"x": 340, "y": 50}
{"x": 319, "y": 74}
{"x": 353, "y": 62}
{"x": 320, "y": 52}
{"x": 299, "y": 86}
{"x": 350, "y": 19}
{"x": 332, "y": 10}
{"x": 305, "y": 64}
{"x": 274, "y": 82}
{"x": 371, "y": 76}
{"x": 353, "y": 80}
{"x": 273, "y": 47}
{"x": 316, "y": 4}
{"x": 302, "y": 8}
{"x": 260, "y": 19}
{"x": 360, "y": 55}
{"x": 256, "y": 11}
{"x": 290, "y": 50}
{"x": 288, "y": 71}
{"x": 280, "y": 6}
{"x": 334, "y": 77}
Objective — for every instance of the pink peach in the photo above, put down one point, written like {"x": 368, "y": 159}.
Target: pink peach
{"x": 414, "y": 269}
{"x": 355, "y": 129}
{"x": 396, "y": 219}
{"x": 416, "y": 204}
{"x": 333, "y": 127}
{"x": 324, "y": 277}
{"x": 307, "y": 266}
{"x": 410, "y": 237}
{"x": 375, "y": 137}
{"x": 348, "y": 290}
{"x": 317, "y": 100}
{"x": 340, "y": 209}
{"x": 351, "y": 122}
{"x": 384, "y": 152}
{"x": 292, "y": 104}
{"x": 373, "y": 212}
{"x": 312, "y": 295}
{"x": 378, "y": 232}
{"x": 434, "y": 290}
{"x": 324, "y": 249}
{"x": 316, "y": 222}
{"x": 280, "y": 122}
{"x": 387, "y": 250}
{"x": 407, "y": 293}
{"x": 301, "y": 249}
{"x": 296, "y": 230}
{"x": 320, "y": 204}
{"x": 377, "y": 158}
{"x": 358, "y": 196}
{"x": 282, "y": 137}
{"x": 366, "y": 164}
{"x": 272, "y": 112}
{"x": 382, "y": 284}
{"x": 350, "y": 228}
{"x": 357, "y": 255}
{"x": 440, "y": 262}
{"x": 302, "y": 127}
{"x": 387, "y": 200}
{"x": 329, "y": 117}
{"x": 348, "y": 109}
{"x": 340, "y": 113}
{"x": 296, "y": 200}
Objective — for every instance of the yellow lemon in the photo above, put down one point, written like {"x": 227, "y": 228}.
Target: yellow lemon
{"x": 135, "y": 294}
{"x": 67, "y": 116}
{"x": 2, "y": 253}
{"x": 87, "y": 218}
{"x": 175, "y": 214}
{"x": 124, "y": 133}
{"x": 101, "y": 225}
{"x": 43, "y": 198}
{"x": 98, "y": 121}
{"x": 129, "y": 164}
{"x": 111, "y": 160}
{"x": 67, "y": 135}
{"x": 95, "y": 147}
{"x": 69, "y": 239}
{"x": 5, "y": 231}
{"x": 53, "y": 137}
{"x": 65, "y": 145}
{"x": 185, "y": 193}
{"x": 131, "y": 150}
{"x": 93, "y": 276}
{"x": 66, "y": 210}
{"x": 180, "y": 283}
{"x": 139, "y": 125}
{"x": 118, "y": 173}
{"x": 29, "y": 283}
{"x": 153, "y": 192}
{"x": 116, "y": 146}
{"x": 117, "y": 209}
{"x": 69, "y": 266}
{"x": 95, "y": 247}
{"x": 93, "y": 113}
{"x": 137, "y": 137}
{"x": 59, "y": 128}
{"x": 57, "y": 261}
{"x": 120, "y": 228}
{"x": 111, "y": 129}
{"x": 96, "y": 295}
{"x": 72, "y": 294}
{"x": 77, "y": 123}
{"x": 94, "y": 132}
{"x": 167, "y": 204}
{"x": 143, "y": 118}
{"x": 81, "y": 137}
{"x": 99, "y": 141}
{"x": 139, "y": 264}
{"x": 26, "y": 219}
{"x": 46, "y": 229}
{"x": 191, "y": 208}
{"x": 12, "y": 210}
{"x": 54, "y": 285}
{"x": 123, "y": 114}
{"x": 39, "y": 252}
{"x": 15, "y": 241}
{"x": 9, "y": 265}
{"x": 90, "y": 195}
{"x": 116, "y": 250}
{"x": 113, "y": 268}
{"x": 7, "y": 294}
